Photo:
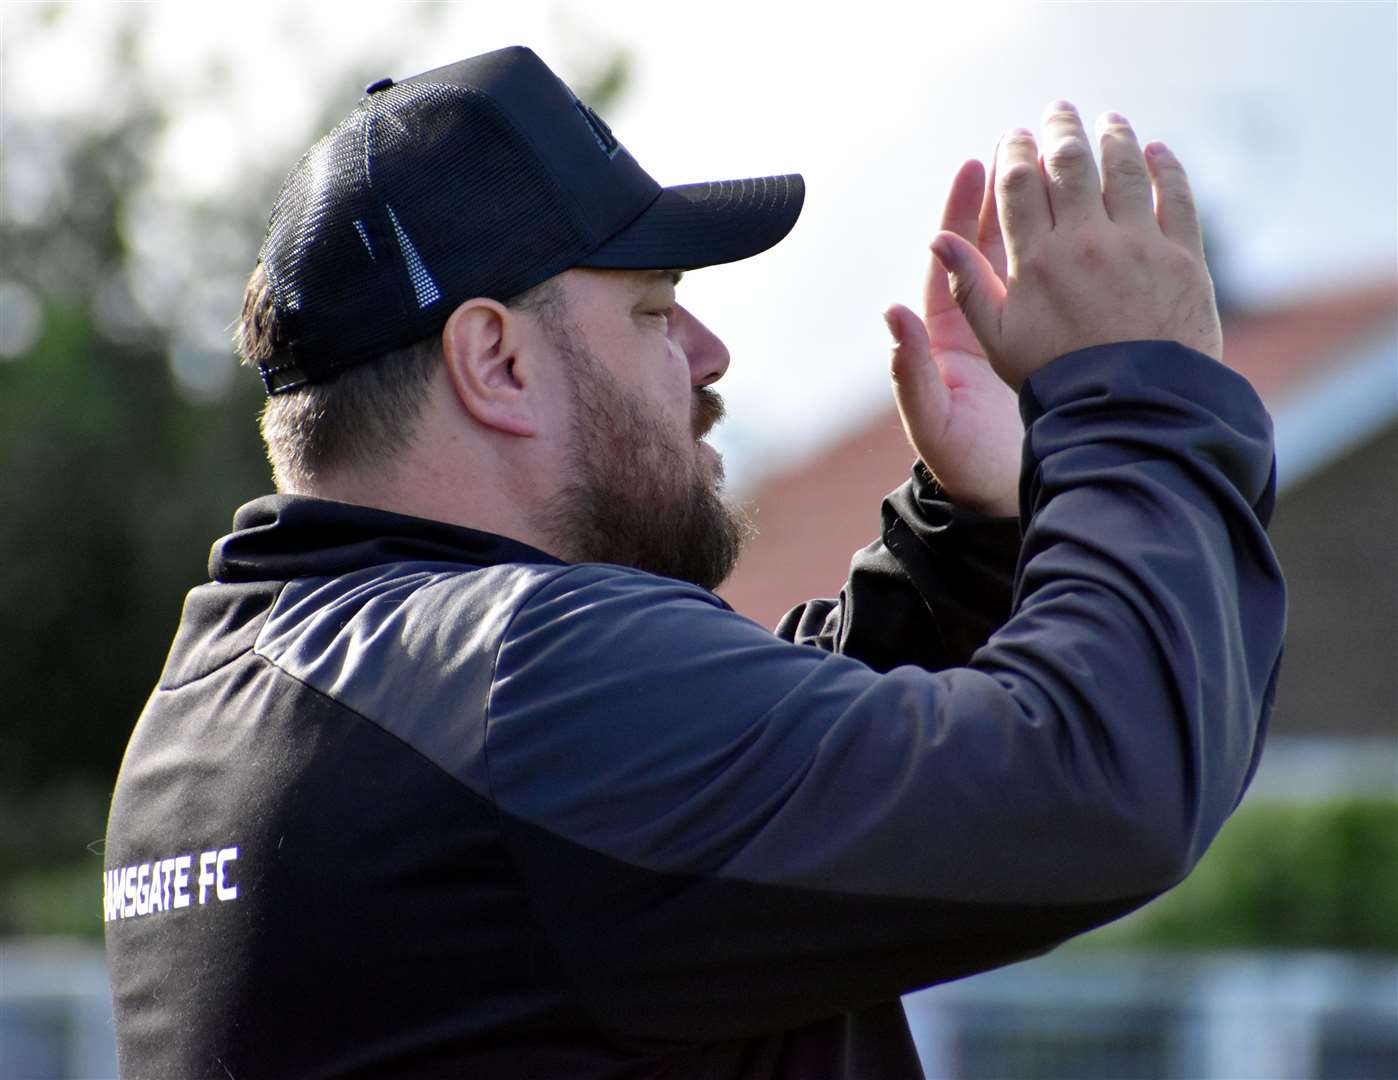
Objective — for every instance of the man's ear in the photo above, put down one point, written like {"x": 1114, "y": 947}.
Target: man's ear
{"x": 482, "y": 343}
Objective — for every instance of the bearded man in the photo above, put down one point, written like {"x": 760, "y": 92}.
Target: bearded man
{"x": 458, "y": 766}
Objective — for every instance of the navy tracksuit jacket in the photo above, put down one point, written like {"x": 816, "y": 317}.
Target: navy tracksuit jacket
{"x": 414, "y": 800}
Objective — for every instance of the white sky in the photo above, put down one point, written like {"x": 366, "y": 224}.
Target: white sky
{"x": 1286, "y": 115}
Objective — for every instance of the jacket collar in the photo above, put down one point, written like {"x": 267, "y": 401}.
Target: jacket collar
{"x": 280, "y": 537}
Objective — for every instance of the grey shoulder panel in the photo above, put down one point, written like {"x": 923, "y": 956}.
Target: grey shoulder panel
{"x": 409, "y": 646}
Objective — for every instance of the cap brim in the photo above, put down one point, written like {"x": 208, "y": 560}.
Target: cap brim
{"x": 696, "y": 225}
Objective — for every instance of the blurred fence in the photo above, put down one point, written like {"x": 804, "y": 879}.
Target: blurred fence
{"x": 55, "y": 1011}
{"x": 1075, "y": 1016}
{"x": 1139, "y": 1016}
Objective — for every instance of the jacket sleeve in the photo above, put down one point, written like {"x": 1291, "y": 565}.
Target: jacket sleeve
{"x": 725, "y": 834}
{"x": 929, "y": 591}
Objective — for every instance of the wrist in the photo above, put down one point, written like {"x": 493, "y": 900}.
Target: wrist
{"x": 928, "y": 485}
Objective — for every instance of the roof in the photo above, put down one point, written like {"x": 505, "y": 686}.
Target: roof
{"x": 1311, "y": 359}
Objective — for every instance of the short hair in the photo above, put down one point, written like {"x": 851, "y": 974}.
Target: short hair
{"x": 364, "y": 415}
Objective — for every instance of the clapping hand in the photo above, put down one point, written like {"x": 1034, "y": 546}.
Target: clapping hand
{"x": 1057, "y": 259}
{"x": 961, "y": 418}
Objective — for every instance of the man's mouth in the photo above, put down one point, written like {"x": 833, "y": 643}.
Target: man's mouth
{"x": 708, "y": 411}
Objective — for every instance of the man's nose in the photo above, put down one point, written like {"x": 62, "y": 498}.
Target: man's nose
{"x": 706, "y": 352}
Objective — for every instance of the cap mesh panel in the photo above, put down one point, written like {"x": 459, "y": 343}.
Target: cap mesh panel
{"x": 472, "y": 214}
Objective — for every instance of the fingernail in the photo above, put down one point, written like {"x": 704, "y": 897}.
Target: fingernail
{"x": 892, "y": 325}
{"x": 945, "y": 253}
{"x": 1156, "y": 148}
{"x": 1063, "y": 105}
{"x": 1117, "y": 118}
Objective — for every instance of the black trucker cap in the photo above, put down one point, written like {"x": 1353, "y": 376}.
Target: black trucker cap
{"x": 481, "y": 178}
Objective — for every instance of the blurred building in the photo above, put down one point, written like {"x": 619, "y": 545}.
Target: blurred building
{"x": 1327, "y": 367}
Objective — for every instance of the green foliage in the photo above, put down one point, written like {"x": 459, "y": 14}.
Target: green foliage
{"x": 117, "y": 473}
{"x": 51, "y": 859}
{"x": 603, "y": 89}
{"x": 115, "y": 482}
{"x": 61, "y": 901}
{"x": 1321, "y": 876}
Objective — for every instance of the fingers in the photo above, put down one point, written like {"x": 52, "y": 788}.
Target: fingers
{"x": 1133, "y": 188}
{"x": 976, "y": 288}
{"x": 1074, "y": 191}
{"x": 922, "y": 398}
{"x": 961, "y": 216}
{"x": 1126, "y": 188}
{"x": 962, "y": 211}
{"x": 989, "y": 238}
{"x": 1019, "y": 192}
{"x": 1174, "y": 202}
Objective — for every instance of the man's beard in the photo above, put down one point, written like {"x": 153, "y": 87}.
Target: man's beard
{"x": 633, "y": 494}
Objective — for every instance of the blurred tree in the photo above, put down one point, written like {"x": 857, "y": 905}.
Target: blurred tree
{"x": 1303, "y": 876}
{"x": 119, "y": 466}
{"x": 127, "y": 438}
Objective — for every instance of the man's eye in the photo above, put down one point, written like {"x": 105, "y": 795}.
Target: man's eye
{"x": 664, "y": 313}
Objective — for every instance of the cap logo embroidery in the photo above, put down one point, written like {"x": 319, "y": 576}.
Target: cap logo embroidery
{"x": 600, "y": 131}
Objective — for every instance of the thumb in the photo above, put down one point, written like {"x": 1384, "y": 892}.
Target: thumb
{"x": 922, "y": 398}
{"x": 976, "y": 288}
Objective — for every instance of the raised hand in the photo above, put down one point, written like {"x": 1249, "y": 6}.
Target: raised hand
{"x": 961, "y": 418}
{"x": 1088, "y": 261}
